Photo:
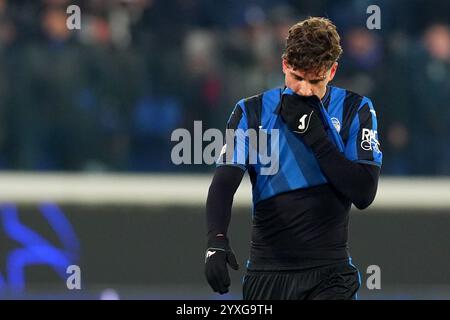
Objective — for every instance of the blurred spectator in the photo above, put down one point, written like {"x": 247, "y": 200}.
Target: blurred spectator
{"x": 430, "y": 77}
{"x": 108, "y": 96}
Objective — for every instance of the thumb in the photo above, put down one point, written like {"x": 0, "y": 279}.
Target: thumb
{"x": 231, "y": 259}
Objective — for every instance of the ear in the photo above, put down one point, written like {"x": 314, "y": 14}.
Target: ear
{"x": 284, "y": 65}
{"x": 333, "y": 70}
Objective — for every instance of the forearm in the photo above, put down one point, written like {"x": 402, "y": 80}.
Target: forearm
{"x": 225, "y": 182}
{"x": 358, "y": 182}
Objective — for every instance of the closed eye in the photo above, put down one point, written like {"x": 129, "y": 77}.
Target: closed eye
{"x": 314, "y": 81}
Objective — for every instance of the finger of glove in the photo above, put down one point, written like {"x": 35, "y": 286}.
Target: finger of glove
{"x": 296, "y": 103}
{"x": 221, "y": 273}
{"x": 221, "y": 280}
{"x": 217, "y": 274}
{"x": 231, "y": 259}
{"x": 214, "y": 279}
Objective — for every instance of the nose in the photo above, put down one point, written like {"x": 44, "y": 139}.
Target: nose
{"x": 304, "y": 89}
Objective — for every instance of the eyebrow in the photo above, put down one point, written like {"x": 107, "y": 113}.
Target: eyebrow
{"x": 311, "y": 80}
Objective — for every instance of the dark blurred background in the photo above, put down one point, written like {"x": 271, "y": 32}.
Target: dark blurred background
{"x": 106, "y": 99}
{"x": 108, "y": 96}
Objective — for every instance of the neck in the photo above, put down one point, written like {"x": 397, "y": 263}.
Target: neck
{"x": 323, "y": 93}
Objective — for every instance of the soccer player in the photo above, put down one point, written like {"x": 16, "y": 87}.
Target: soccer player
{"x": 329, "y": 159}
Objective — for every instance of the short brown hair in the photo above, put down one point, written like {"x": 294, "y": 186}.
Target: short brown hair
{"x": 313, "y": 45}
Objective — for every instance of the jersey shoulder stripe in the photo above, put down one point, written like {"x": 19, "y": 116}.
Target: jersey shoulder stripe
{"x": 253, "y": 109}
{"x": 352, "y": 102}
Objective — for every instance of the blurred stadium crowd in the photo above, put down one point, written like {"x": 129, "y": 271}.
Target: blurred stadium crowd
{"x": 108, "y": 96}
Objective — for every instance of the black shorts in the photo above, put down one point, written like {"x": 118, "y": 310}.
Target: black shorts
{"x": 333, "y": 282}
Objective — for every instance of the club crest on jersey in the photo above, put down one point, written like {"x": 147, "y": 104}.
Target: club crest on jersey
{"x": 336, "y": 124}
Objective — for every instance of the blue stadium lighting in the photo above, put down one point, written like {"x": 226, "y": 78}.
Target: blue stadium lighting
{"x": 36, "y": 250}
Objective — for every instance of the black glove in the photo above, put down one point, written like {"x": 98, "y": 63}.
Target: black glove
{"x": 302, "y": 115}
{"x": 217, "y": 256}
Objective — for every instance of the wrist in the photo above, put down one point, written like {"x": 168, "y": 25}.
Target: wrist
{"x": 218, "y": 240}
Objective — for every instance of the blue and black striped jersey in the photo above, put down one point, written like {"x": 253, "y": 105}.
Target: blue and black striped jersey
{"x": 351, "y": 123}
